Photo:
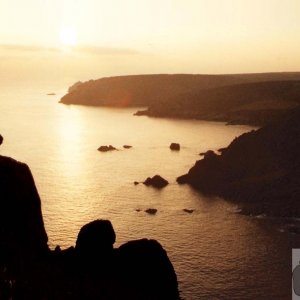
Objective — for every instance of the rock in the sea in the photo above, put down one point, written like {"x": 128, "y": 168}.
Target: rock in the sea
{"x": 1, "y": 139}
{"x": 136, "y": 183}
{"x": 127, "y": 146}
{"x": 106, "y": 148}
{"x": 151, "y": 211}
{"x": 188, "y": 210}
{"x": 175, "y": 146}
{"x": 156, "y": 181}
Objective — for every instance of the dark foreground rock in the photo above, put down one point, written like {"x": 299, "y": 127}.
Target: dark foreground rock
{"x": 152, "y": 274}
{"x": 106, "y": 148}
{"x": 175, "y": 146}
{"x": 151, "y": 211}
{"x": 259, "y": 169}
{"x": 156, "y": 181}
{"x": 22, "y": 229}
{"x": 93, "y": 269}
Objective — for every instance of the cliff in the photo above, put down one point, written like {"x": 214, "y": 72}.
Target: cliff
{"x": 245, "y": 97}
{"x": 256, "y": 103}
{"x": 94, "y": 269}
{"x": 21, "y": 222}
{"x": 260, "y": 170}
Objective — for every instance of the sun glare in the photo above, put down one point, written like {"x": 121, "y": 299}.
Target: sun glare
{"x": 68, "y": 37}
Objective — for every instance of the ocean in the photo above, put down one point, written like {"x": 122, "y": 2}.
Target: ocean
{"x": 216, "y": 252}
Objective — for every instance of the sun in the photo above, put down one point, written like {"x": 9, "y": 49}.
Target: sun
{"x": 68, "y": 37}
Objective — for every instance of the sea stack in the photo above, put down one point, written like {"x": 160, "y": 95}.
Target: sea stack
{"x": 175, "y": 146}
{"x": 106, "y": 148}
{"x": 156, "y": 181}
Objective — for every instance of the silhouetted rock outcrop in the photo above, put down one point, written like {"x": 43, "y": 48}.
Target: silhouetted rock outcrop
{"x": 22, "y": 229}
{"x": 106, "y": 148}
{"x": 188, "y": 210}
{"x": 92, "y": 270}
{"x": 23, "y": 239}
{"x": 260, "y": 169}
{"x": 151, "y": 274}
{"x": 156, "y": 181}
{"x": 175, "y": 146}
{"x": 208, "y": 154}
{"x": 1, "y": 139}
{"x": 96, "y": 239}
{"x": 138, "y": 269}
{"x": 151, "y": 211}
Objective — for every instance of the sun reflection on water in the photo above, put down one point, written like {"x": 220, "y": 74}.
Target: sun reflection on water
{"x": 70, "y": 132}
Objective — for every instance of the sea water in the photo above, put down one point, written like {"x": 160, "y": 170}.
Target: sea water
{"x": 217, "y": 253}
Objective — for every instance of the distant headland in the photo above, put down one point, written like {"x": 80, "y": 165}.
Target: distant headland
{"x": 254, "y": 99}
{"x": 259, "y": 170}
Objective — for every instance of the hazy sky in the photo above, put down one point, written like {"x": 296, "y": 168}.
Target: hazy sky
{"x": 155, "y": 36}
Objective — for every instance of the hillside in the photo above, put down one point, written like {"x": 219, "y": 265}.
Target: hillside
{"x": 237, "y": 98}
{"x": 255, "y": 103}
{"x": 260, "y": 170}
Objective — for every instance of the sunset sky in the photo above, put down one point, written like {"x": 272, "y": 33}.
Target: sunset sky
{"x": 154, "y": 36}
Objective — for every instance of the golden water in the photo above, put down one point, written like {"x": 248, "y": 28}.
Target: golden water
{"x": 217, "y": 254}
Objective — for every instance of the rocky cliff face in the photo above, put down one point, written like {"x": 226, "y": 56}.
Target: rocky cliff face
{"x": 92, "y": 270}
{"x": 260, "y": 169}
{"x": 21, "y": 223}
